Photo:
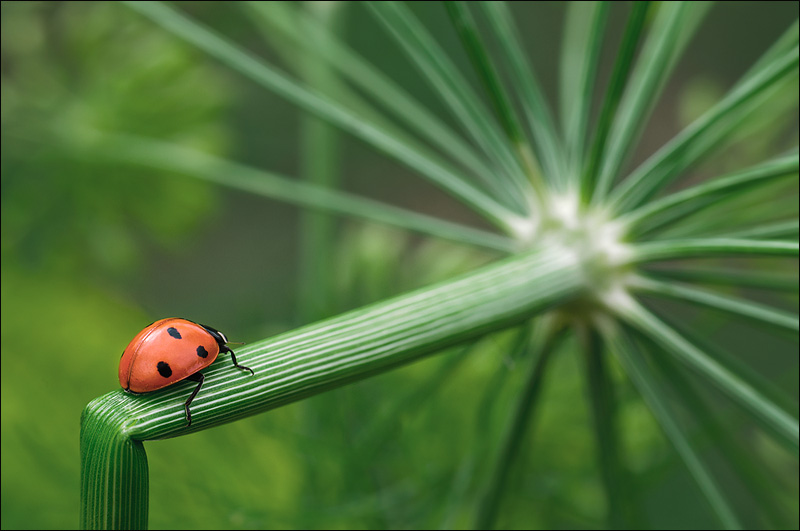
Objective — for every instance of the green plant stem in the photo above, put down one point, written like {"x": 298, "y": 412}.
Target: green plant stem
{"x": 114, "y": 475}
{"x": 519, "y": 422}
{"x": 353, "y": 345}
{"x": 307, "y": 361}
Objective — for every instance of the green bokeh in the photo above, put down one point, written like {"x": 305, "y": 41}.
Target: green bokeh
{"x": 92, "y": 251}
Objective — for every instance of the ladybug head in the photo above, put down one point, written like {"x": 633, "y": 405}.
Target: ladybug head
{"x": 219, "y": 336}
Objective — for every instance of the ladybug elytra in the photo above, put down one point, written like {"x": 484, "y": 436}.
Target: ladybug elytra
{"x": 168, "y": 351}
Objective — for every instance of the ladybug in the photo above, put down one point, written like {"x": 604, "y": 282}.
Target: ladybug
{"x": 168, "y": 351}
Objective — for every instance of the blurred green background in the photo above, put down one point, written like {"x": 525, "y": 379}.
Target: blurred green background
{"x": 93, "y": 250}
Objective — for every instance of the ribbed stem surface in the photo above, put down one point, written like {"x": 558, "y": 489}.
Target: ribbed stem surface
{"x": 307, "y": 361}
{"x": 114, "y": 475}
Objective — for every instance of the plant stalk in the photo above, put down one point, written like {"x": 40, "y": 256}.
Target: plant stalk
{"x": 114, "y": 475}
{"x": 307, "y": 361}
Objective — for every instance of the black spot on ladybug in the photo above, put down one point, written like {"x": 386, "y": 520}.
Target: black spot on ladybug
{"x": 202, "y": 352}
{"x": 164, "y": 369}
{"x": 174, "y": 332}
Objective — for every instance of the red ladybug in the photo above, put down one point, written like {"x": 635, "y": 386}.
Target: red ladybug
{"x": 168, "y": 351}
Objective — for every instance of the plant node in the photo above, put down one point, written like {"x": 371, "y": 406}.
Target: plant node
{"x": 598, "y": 243}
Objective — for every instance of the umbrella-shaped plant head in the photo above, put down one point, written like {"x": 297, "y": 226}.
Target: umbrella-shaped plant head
{"x": 589, "y": 241}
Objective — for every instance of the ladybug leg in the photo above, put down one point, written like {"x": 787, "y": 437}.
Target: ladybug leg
{"x": 223, "y": 348}
{"x": 196, "y": 377}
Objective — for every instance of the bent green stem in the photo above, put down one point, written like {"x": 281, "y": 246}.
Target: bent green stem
{"x": 307, "y": 361}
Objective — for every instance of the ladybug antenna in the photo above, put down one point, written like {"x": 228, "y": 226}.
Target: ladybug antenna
{"x": 235, "y": 343}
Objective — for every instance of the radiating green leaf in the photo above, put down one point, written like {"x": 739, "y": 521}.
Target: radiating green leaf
{"x": 603, "y": 404}
{"x": 669, "y": 161}
{"x": 171, "y": 157}
{"x": 673, "y": 25}
{"x": 453, "y": 89}
{"x": 730, "y": 277}
{"x": 737, "y": 452}
{"x": 546, "y": 146}
{"x": 267, "y": 76}
{"x": 707, "y": 247}
{"x": 781, "y": 229}
{"x": 652, "y": 393}
{"x": 470, "y": 36}
{"x": 515, "y": 432}
{"x": 277, "y": 17}
{"x": 744, "y": 308}
{"x": 766, "y": 412}
{"x": 706, "y": 193}
{"x": 619, "y": 78}
{"x": 580, "y": 55}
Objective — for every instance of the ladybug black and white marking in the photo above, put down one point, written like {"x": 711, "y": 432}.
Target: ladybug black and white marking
{"x": 168, "y": 351}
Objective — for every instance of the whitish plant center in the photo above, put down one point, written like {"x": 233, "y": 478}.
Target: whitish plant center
{"x": 597, "y": 242}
